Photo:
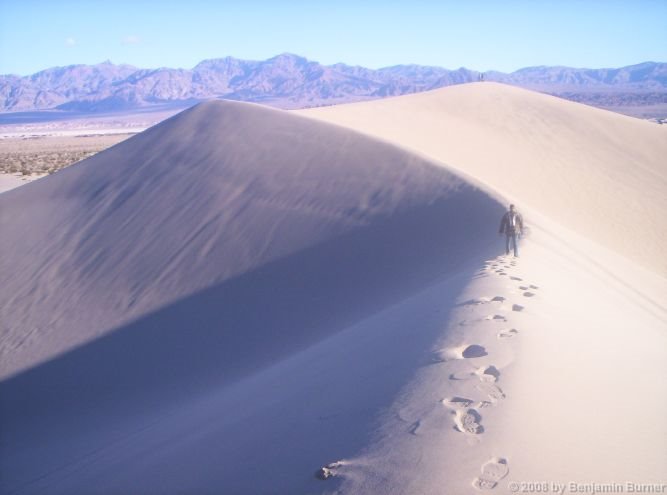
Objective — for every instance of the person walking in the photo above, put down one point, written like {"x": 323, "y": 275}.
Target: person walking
{"x": 512, "y": 226}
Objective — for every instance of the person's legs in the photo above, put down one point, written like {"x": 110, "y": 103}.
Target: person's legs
{"x": 515, "y": 241}
{"x": 507, "y": 243}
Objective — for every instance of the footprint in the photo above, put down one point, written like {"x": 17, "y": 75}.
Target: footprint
{"x": 528, "y": 294}
{"x": 414, "y": 427}
{"x": 475, "y": 302}
{"x": 534, "y": 286}
{"x": 473, "y": 351}
{"x": 326, "y": 472}
{"x": 524, "y": 287}
{"x": 468, "y": 421}
{"x": 498, "y": 299}
{"x": 492, "y": 472}
{"x": 507, "y": 334}
{"x": 517, "y": 279}
{"x": 484, "y": 484}
{"x": 517, "y": 307}
{"x": 462, "y": 375}
{"x": 493, "y": 391}
{"x": 488, "y": 373}
{"x": 456, "y": 402}
{"x": 496, "y": 318}
{"x": 462, "y": 352}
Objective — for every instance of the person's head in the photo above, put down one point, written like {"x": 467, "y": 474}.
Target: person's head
{"x": 511, "y": 207}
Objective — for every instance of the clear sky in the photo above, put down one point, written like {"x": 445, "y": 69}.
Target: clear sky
{"x": 479, "y": 34}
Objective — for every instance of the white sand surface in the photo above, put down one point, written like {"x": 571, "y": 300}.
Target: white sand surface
{"x": 541, "y": 356}
{"x": 313, "y": 297}
{"x": 601, "y": 174}
{"x": 11, "y": 181}
{"x": 71, "y": 132}
{"x": 591, "y": 185}
{"x": 59, "y": 124}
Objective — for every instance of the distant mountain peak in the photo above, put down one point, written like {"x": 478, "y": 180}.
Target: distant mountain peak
{"x": 289, "y": 80}
{"x": 288, "y": 56}
{"x": 290, "y": 59}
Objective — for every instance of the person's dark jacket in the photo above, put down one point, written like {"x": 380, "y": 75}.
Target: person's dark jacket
{"x": 508, "y": 227}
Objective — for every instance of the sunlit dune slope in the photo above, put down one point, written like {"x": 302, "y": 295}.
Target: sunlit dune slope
{"x": 598, "y": 173}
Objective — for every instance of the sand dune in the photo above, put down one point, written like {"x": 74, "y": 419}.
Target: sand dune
{"x": 195, "y": 255}
{"x": 204, "y": 197}
{"x": 557, "y": 335}
{"x": 598, "y": 173}
{"x": 243, "y": 300}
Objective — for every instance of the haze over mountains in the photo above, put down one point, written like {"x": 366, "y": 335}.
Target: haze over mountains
{"x": 291, "y": 81}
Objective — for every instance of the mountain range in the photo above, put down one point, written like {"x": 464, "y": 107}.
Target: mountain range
{"x": 292, "y": 81}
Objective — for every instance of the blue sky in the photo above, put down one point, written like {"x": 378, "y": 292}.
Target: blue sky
{"x": 478, "y": 34}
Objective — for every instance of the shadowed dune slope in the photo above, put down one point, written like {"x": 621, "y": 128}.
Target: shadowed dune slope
{"x": 601, "y": 174}
{"x": 207, "y": 197}
{"x": 195, "y": 256}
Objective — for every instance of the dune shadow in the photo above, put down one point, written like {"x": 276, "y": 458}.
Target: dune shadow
{"x": 60, "y": 409}
{"x": 473, "y": 351}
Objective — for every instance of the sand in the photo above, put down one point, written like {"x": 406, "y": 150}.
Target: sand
{"x": 197, "y": 200}
{"x": 598, "y": 173}
{"x": 244, "y": 300}
{"x": 11, "y": 181}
